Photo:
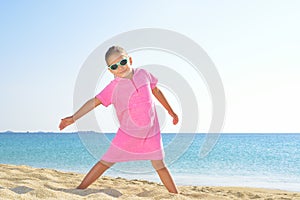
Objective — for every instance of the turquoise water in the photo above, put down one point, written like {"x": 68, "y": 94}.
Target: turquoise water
{"x": 255, "y": 160}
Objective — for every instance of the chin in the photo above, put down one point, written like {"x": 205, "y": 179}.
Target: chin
{"x": 124, "y": 74}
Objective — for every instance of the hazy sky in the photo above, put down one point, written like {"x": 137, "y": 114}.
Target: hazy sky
{"x": 254, "y": 44}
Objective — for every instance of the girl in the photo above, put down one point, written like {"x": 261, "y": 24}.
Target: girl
{"x": 138, "y": 137}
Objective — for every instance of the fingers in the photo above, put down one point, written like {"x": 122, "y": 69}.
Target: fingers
{"x": 62, "y": 125}
{"x": 66, "y": 122}
{"x": 175, "y": 119}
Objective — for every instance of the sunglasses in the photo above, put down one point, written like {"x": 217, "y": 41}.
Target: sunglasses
{"x": 122, "y": 63}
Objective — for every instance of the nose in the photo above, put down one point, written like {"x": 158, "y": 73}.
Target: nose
{"x": 121, "y": 69}
{"x": 122, "y": 66}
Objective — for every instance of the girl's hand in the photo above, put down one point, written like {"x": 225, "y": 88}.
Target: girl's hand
{"x": 66, "y": 122}
{"x": 175, "y": 118}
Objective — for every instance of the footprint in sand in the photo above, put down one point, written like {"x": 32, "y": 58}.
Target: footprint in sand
{"x": 84, "y": 192}
{"x": 145, "y": 193}
{"x": 21, "y": 189}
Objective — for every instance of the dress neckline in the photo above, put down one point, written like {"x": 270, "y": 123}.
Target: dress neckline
{"x": 129, "y": 79}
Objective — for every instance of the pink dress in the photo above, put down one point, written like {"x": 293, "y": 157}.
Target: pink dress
{"x": 138, "y": 137}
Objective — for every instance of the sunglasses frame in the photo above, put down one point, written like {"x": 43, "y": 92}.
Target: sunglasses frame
{"x": 119, "y": 63}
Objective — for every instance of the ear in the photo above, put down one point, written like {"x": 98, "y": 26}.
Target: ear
{"x": 130, "y": 60}
{"x": 111, "y": 71}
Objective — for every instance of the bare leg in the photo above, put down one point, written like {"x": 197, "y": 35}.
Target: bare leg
{"x": 98, "y": 169}
{"x": 164, "y": 175}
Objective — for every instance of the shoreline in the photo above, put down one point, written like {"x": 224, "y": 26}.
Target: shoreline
{"x": 21, "y": 181}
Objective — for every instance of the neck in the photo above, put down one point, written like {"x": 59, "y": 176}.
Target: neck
{"x": 129, "y": 75}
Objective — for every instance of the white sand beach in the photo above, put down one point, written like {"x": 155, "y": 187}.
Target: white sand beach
{"x": 24, "y": 182}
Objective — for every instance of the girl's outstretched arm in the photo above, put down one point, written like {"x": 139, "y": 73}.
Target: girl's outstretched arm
{"x": 87, "y": 107}
{"x": 161, "y": 98}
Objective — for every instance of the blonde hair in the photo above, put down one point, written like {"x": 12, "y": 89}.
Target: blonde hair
{"x": 114, "y": 50}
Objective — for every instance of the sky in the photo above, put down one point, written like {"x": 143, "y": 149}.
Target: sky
{"x": 254, "y": 45}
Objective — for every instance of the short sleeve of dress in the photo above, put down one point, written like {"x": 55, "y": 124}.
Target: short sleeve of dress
{"x": 106, "y": 95}
{"x": 153, "y": 80}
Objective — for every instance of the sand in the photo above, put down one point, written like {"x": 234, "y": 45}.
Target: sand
{"x": 24, "y": 182}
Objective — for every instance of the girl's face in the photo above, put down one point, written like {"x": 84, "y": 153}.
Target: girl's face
{"x": 123, "y": 71}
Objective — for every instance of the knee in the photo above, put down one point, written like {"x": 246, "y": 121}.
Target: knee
{"x": 158, "y": 164}
{"x": 107, "y": 164}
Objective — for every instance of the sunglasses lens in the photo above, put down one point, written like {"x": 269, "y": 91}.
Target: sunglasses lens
{"x": 113, "y": 67}
{"x": 123, "y": 62}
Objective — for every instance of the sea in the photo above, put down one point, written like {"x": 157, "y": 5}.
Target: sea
{"x": 246, "y": 160}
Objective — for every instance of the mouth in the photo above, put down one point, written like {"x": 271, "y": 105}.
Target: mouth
{"x": 122, "y": 72}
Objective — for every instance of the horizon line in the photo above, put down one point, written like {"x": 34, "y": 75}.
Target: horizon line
{"x": 90, "y": 131}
